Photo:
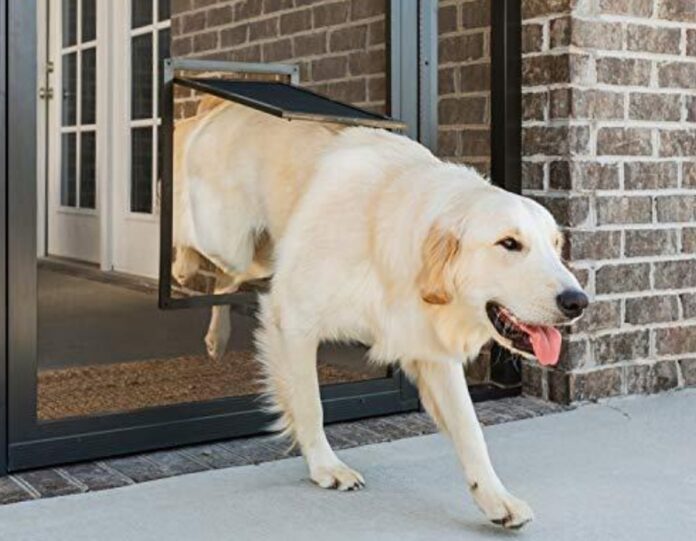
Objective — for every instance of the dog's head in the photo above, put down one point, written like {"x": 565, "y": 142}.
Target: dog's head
{"x": 496, "y": 257}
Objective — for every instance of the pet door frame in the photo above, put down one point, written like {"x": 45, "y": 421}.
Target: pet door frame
{"x": 26, "y": 443}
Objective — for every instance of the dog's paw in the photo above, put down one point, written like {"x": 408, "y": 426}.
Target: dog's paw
{"x": 502, "y": 508}
{"x": 215, "y": 346}
{"x": 337, "y": 476}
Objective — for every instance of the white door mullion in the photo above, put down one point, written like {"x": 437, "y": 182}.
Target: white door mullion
{"x": 105, "y": 131}
{"x": 78, "y": 109}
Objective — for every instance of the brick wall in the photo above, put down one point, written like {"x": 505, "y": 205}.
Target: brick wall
{"x": 609, "y": 118}
{"x": 339, "y": 44}
{"x": 464, "y": 82}
{"x": 610, "y": 148}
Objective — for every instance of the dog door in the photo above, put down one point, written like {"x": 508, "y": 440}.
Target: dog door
{"x": 272, "y": 96}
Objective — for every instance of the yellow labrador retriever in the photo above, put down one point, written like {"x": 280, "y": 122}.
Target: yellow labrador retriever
{"x": 375, "y": 240}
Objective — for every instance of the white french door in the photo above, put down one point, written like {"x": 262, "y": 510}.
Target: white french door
{"x": 103, "y": 131}
{"x": 73, "y": 221}
{"x": 143, "y": 42}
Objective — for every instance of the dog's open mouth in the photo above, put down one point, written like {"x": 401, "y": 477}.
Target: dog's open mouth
{"x": 544, "y": 342}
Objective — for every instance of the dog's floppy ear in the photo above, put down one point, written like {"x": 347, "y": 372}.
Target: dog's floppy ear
{"x": 439, "y": 249}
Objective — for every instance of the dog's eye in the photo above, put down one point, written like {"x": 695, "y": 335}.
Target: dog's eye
{"x": 510, "y": 244}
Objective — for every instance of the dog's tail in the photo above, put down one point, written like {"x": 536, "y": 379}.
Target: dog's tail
{"x": 275, "y": 379}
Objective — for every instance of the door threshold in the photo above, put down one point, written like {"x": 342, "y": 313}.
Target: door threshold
{"x": 92, "y": 271}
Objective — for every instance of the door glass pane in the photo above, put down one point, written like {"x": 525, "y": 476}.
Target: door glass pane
{"x": 104, "y": 345}
{"x": 141, "y": 13}
{"x": 69, "y": 108}
{"x": 69, "y": 17}
{"x": 141, "y": 169}
{"x": 141, "y": 80}
{"x": 68, "y": 170}
{"x": 89, "y": 86}
{"x": 89, "y": 20}
{"x": 88, "y": 158}
{"x": 163, "y": 10}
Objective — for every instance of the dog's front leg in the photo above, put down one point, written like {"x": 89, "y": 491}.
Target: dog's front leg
{"x": 445, "y": 395}
{"x": 289, "y": 358}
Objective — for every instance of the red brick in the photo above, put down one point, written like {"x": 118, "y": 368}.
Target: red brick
{"x": 333, "y": 67}
{"x": 676, "y": 74}
{"x": 273, "y": 6}
{"x": 622, "y": 278}
{"x": 205, "y": 42}
{"x": 367, "y": 62}
{"x": 675, "y": 274}
{"x": 638, "y": 8}
{"x": 275, "y": 51}
{"x": 219, "y": 16}
{"x": 647, "y": 242}
{"x": 538, "y": 8}
{"x": 677, "y": 143}
{"x": 246, "y": 9}
{"x": 476, "y": 142}
{"x": 624, "y": 210}
{"x": 330, "y": 14}
{"x": 594, "y": 385}
{"x": 310, "y": 44}
{"x": 653, "y": 40}
{"x": 460, "y": 48}
{"x": 264, "y": 29}
{"x": 620, "y": 347}
{"x": 624, "y": 142}
{"x": 231, "y": 37}
{"x": 623, "y": 71}
{"x": 464, "y": 110}
{"x": 193, "y": 22}
{"x": 475, "y": 77}
{"x": 447, "y": 19}
{"x": 678, "y": 10}
{"x": 545, "y": 70}
{"x": 352, "y": 91}
{"x": 532, "y": 38}
{"x": 363, "y": 9}
{"x": 476, "y": 14}
{"x": 348, "y": 39}
{"x": 649, "y": 175}
{"x": 676, "y": 341}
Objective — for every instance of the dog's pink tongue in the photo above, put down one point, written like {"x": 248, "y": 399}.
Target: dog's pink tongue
{"x": 546, "y": 342}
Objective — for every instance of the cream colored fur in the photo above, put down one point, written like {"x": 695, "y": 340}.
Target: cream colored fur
{"x": 374, "y": 240}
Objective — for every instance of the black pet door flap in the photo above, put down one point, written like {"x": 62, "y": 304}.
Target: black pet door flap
{"x": 282, "y": 99}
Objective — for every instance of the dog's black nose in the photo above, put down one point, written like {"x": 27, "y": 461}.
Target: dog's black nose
{"x": 572, "y": 302}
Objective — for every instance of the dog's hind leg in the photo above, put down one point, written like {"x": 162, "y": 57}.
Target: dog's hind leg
{"x": 445, "y": 395}
{"x": 220, "y": 325}
{"x": 186, "y": 263}
{"x": 287, "y": 351}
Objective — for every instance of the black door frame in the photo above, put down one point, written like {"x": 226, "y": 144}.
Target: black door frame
{"x": 24, "y": 443}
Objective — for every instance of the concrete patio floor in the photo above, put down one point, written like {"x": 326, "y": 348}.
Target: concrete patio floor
{"x": 621, "y": 470}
